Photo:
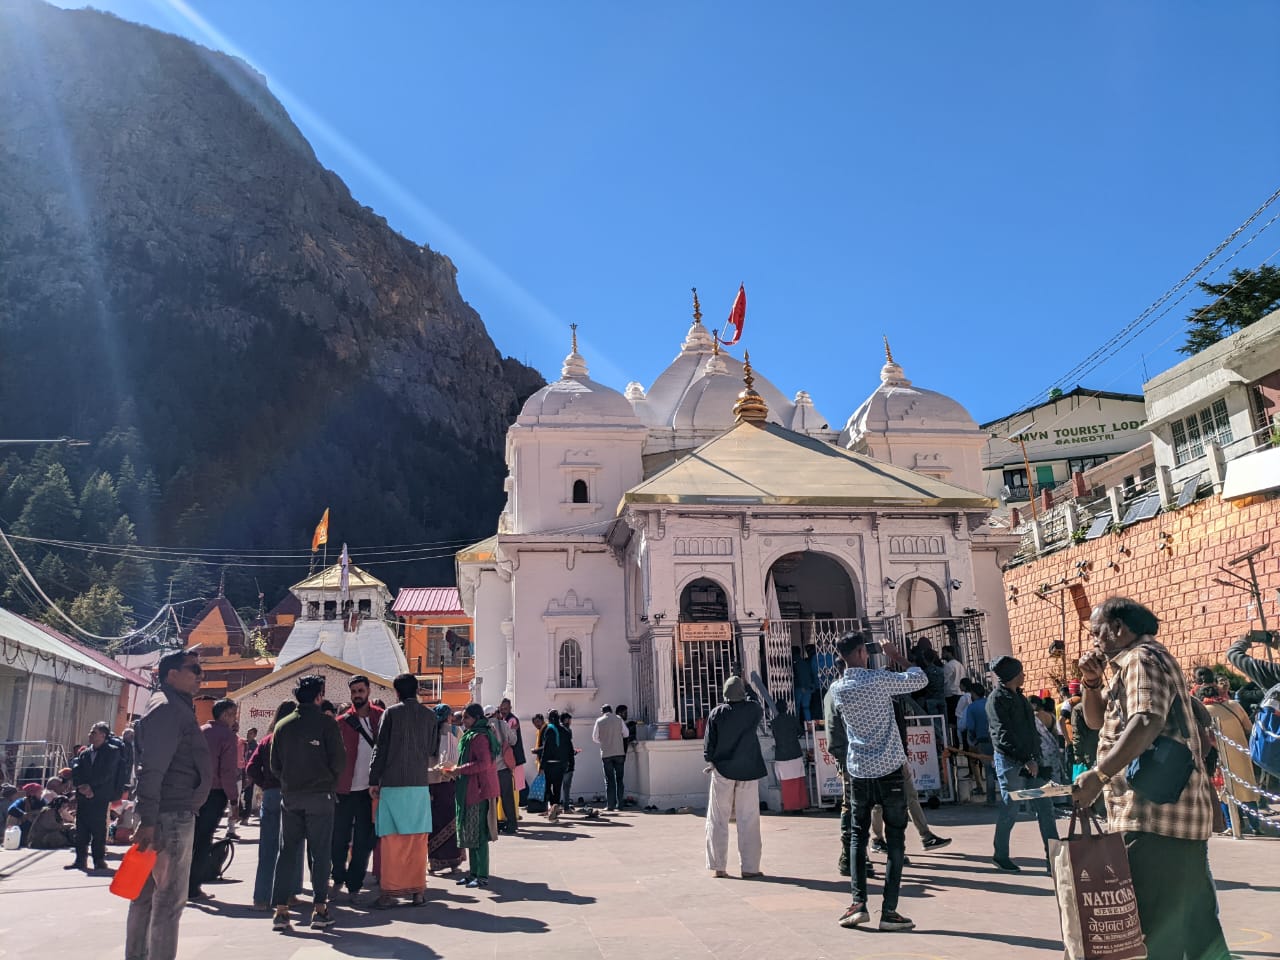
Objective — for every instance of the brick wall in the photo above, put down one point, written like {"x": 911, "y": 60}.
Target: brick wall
{"x": 1198, "y": 618}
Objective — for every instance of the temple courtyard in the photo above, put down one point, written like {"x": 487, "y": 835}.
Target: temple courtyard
{"x": 633, "y": 885}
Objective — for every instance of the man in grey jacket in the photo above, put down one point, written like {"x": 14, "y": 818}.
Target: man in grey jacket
{"x": 174, "y": 777}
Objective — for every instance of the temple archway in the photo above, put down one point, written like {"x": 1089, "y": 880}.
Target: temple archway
{"x": 811, "y": 601}
{"x": 921, "y": 604}
{"x": 704, "y": 601}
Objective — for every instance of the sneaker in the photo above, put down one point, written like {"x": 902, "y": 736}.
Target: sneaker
{"x": 893, "y": 920}
{"x": 78, "y": 865}
{"x": 843, "y": 867}
{"x": 1006, "y": 865}
{"x": 322, "y": 920}
{"x": 463, "y": 880}
{"x": 855, "y": 914}
{"x": 281, "y": 922}
{"x": 935, "y": 842}
{"x": 879, "y": 846}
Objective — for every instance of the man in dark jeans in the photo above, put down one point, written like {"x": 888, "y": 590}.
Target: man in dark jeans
{"x": 308, "y": 757}
{"x": 99, "y": 778}
{"x": 353, "y": 836}
{"x": 224, "y": 751}
{"x": 875, "y": 763}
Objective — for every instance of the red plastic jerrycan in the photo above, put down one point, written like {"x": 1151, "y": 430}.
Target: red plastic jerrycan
{"x": 131, "y": 876}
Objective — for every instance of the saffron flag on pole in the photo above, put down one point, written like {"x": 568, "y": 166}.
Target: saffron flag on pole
{"x": 345, "y": 576}
{"x": 322, "y": 532}
{"x": 737, "y": 316}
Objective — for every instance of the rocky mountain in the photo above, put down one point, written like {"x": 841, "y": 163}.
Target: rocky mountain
{"x": 183, "y": 284}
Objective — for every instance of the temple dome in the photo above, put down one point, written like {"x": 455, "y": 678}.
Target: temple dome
{"x": 577, "y": 399}
{"x": 898, "y": 406}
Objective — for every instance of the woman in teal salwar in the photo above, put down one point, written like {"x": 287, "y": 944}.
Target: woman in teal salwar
{"x": 476, "y": 793}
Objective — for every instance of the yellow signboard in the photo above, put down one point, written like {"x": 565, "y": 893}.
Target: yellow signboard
{"x": 705, "y": 632}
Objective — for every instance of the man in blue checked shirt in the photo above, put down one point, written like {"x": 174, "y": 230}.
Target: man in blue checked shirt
{"x": 875, "y": 766}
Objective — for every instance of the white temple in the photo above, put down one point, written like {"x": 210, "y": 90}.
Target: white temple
{"x": 655, "y": 541}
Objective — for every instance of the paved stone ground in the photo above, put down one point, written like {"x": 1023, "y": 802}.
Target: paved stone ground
{"x": 631, "y": 886}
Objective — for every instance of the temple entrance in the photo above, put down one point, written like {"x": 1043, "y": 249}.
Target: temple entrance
{"x": 811, "y": 602}
{"x": 921, "y": 604}
{"x": 707, "y": 652}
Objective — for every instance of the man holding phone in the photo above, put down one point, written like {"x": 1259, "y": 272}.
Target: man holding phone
{"x": 876, "y": 766}
{"x": 1018, "y": 762}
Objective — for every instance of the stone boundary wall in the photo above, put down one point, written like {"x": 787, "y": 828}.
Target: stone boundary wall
{"x": 1199, "y": 619}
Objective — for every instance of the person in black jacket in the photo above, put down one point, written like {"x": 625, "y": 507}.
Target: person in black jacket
{"x": 732, "y": 748}
{"x": 1016, "y": 744}
{"x": 99, "y": 778}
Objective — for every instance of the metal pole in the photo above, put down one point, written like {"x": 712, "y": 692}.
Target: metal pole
{"x": 1026, "y": 464}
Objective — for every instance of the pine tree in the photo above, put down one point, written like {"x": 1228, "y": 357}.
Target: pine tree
{"x": 50, "y": 511}
{"x": 1246, "y": 297}
{"x": 99, "y": 508}
{"x": 102, "y": 610}
{"x": 134, "y": 577}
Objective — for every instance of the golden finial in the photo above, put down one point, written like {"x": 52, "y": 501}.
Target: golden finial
{"x": 715, "y": 348}
{"x": 697, "y": 307}
{"x": 751, "y": 407}
{"x": 888, "y": 354}
{"x": 574, "y": 328}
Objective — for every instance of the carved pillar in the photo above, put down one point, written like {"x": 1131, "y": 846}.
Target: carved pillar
{"x": 509, "y": 635}
{"x": 750, "y": 632}
{"x": 664, "y": 672}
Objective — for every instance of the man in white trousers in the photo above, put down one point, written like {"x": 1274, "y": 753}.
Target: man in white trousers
{"x": 732, "y": 749}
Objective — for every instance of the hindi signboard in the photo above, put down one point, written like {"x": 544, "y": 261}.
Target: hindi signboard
{"x": 825, "y": 768}
{"x": 925, "y": 739}
{"x": 705, "y": 632}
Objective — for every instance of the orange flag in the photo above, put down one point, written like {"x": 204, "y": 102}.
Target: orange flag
{"x": 322, "y": 532}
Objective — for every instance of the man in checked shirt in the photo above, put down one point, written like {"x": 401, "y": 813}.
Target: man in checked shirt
{"x": 875, "y": 766}
{"x": 1167, "y": 843}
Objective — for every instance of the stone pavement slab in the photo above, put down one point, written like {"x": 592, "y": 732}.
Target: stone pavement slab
{"x": 634, "y": 885}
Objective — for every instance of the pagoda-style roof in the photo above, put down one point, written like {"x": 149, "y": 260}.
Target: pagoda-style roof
{"x": 763, "y": 463}
{"x": 331, "y": 579}
{"x": 220, "y": 617}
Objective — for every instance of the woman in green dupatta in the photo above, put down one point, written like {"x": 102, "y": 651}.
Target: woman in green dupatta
{"x": 476, "y": 793}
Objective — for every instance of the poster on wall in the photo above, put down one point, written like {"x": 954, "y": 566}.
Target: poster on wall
{"x": 826, "y": 771}
{"x": 925, "y": 738}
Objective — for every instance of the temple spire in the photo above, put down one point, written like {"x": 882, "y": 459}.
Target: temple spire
{"x": 750, "y": 407}
{"x": 888, "y": 354}
{"x": 697, "y": 307}
{"x": 575, "y": 367}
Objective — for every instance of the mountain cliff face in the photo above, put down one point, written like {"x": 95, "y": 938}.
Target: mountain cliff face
{"x": 182, "y": 283}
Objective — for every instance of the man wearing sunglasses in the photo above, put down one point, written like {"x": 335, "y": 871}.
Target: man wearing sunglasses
{"x": 175, "y": 774}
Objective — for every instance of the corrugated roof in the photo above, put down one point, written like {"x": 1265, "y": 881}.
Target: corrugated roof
{"x": 115, "y": 666}
{"x": 427, "y": 600}
{"x": 768, "y": 464}
{"x": 371, "y": 647}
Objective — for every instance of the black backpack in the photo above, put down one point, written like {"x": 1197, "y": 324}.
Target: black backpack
{"x": 221, "y": 854}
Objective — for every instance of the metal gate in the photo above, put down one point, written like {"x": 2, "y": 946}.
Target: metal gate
{"x": 964, "y": 634}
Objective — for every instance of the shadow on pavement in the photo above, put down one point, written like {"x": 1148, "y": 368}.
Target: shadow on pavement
{"x": 1011, "y": 939}
{"x": 516, "y": 891}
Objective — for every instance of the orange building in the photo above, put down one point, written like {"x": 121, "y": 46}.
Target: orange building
{"x": 226, "y": 652}
{"x": 438, "y": 640}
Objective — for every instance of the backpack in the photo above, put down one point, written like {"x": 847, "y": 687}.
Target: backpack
{"x": 220, "y": 856}
{"x": 1264, "y": 740}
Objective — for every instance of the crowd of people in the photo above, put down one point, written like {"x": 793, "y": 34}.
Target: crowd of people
{"x": 1130, "y": 693}
{"x": 419, "y": 790}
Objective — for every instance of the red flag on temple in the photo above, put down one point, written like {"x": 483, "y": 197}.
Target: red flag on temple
{"x": 737, "y": 316}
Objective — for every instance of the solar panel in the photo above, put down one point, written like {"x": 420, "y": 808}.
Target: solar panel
{"x": 1143, "y": 509}
{"x": 1189, "y": 491}
{"x": 1098, "y": 527}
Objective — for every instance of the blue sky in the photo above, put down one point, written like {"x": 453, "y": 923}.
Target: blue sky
{"x": 998, "y": 188}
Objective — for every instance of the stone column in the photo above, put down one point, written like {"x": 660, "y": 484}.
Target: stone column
{"x": 750, "y": 632}
{"x": 664, "y": 662}
{"x": 509, "y": 635}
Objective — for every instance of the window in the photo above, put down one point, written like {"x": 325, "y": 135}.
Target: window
{"x": 580, "y": 492}
{"x": 366, "y": 609}
{"x": 313, "y": 609}
{"x": 449, "y": 646}
{"x": 1016, "y": 481}
{"x": 1081, "y": 464}
{"x": 331, "y": 609}
{"x": 1191, "y": 434}
{"x": 570, "y": 663}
